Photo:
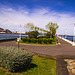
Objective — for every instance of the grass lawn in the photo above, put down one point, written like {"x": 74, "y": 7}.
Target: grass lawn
{"x": 39, "y": 66}
{"x": 53, "y": 43}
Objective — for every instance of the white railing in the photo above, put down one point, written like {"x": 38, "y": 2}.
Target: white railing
{"x": 72, "y": 43}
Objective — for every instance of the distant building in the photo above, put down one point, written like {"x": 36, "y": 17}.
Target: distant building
{"x": 7, "y": 31}
{"x": 1, "y": 30}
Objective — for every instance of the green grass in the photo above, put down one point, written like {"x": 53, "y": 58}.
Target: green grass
{"x": 39, "y": 66}
{"x": 53, "y": 43}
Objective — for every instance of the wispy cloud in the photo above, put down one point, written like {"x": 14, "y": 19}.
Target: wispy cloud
{"x": 11, "y": 19}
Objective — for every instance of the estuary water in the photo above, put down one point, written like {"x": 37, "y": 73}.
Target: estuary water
{"x": 11, "y": 36}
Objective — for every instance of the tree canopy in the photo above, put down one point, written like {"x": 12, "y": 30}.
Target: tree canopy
{"x": 52, "y": 28}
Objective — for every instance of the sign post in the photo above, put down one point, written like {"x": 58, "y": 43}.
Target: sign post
{"x": 18, "y": 39}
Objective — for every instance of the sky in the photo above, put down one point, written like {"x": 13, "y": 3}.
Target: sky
{"x": 14, "y": 13}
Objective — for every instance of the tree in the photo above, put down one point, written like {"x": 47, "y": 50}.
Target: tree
{"x": 33, "y": 34}
{"x": 29, "y": 26}
{"x": 52, "y": 28}
{"x": 36, "y": 28}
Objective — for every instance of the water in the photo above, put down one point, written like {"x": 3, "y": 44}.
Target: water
{"x": 11, "y": 36}
{"x": 69, "y": 37}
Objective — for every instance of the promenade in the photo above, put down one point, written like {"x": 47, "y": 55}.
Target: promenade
{"x": 49, "y": 50}
{"x": 58, "y": 52}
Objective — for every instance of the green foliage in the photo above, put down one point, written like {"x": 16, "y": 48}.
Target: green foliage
{"x": 33, "y": 40}
{"x": 28, "y": 40}
{"x": 49, "y": 34}
{"x": 24, "y": 39}
{"x": 40, "y": 41}
{"x": 45, "y": 40}
{"x": 39, "y": 66}
{"x": 33, "y": 34}
{"x": 50, "y": 40}
{"x": 52, "y": 28}
{"x": 29, "y": 26}
{"x": 43, "y": 37}
{"x": 13, "y": 59}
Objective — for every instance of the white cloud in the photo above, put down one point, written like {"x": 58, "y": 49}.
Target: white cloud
{"x": 11, "y": 19}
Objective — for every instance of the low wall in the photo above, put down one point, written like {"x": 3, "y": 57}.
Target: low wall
{"x": 72, "y": 43}
{"x": 12, "y": 39}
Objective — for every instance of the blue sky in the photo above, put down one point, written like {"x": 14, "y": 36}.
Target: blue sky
{"x": 39, "y": 12}
{"x": 57, "y": 5}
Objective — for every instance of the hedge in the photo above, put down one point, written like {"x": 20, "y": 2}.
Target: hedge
{"x": 39, "y": 40}
{"x": 33, "y": 40}
{"x": 14, "y": 60}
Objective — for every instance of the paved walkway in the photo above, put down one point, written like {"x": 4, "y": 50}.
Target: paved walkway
{"x": 50, "y": 50}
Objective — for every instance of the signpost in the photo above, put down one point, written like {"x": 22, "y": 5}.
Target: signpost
{"x": 18, "y": 39}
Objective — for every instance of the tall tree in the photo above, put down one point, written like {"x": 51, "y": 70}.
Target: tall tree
{"x": 52, "y": 28}
{"x": 29, "y": 26}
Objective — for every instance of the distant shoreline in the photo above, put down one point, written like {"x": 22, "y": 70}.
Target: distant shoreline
{"x": 12, "y": 33}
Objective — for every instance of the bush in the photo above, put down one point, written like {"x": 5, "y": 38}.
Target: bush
{"x": 50, "y": 41}
{"x": 40, "y": 41}
{"x": 33, "y": 40}
{"x": 45, "y": 40}
{"x": 54, "y": 40}
{"x": 33, "y": 34}
{"x": 14, "y": 60}
{"x": 28, "y": 40}
{"x": 24, "y": 39}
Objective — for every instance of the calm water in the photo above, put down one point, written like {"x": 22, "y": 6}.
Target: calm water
{"x": 69, "y": 37}
{"x": 10, "y": 36}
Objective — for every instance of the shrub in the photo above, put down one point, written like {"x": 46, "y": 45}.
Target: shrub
{"x": 33, "y": 40}
{"x": 40, "y": 41}
{"x": 54, "y": 40}
{"x": 28, "y": 40}
{"x": 24, "y": 39}
{"x": 50, "y": 41}
{"x": 45, "y": 40}
{"x": 13, "y": 59}
{"x": 33, "y": 34}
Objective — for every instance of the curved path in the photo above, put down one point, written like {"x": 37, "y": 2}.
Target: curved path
{"x": 49, "y": 50}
